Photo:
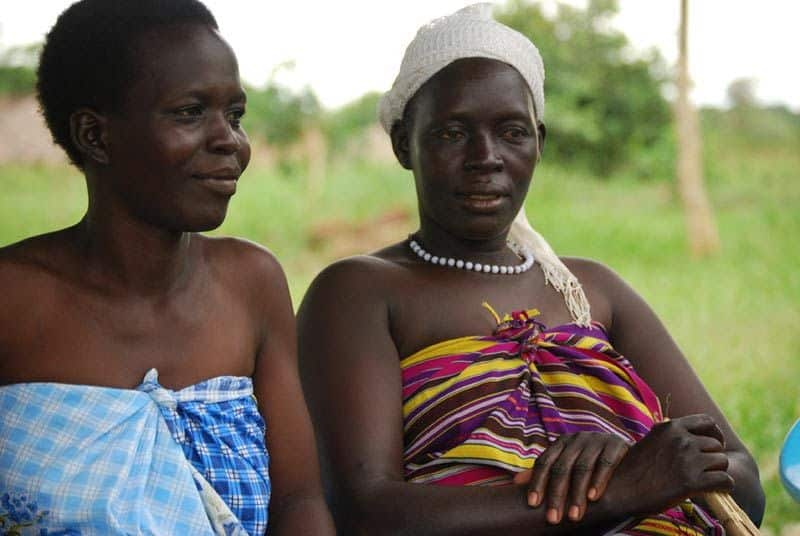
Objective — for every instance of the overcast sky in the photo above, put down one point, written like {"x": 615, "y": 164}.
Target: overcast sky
{"x": 345, "y": 48}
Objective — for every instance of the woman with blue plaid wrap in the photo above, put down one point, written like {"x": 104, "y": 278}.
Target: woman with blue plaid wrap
{"x": 145, "y": 98}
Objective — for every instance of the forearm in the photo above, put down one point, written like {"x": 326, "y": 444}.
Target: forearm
{"x": 399, "y": 508}
{"x": 300, "y": 515}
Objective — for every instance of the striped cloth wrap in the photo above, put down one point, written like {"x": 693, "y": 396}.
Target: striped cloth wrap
{"x": 479, "y": 409}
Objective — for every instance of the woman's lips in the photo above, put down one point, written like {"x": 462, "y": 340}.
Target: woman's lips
{"x": 481, "y": 202}
{"x": 221, "y": 184}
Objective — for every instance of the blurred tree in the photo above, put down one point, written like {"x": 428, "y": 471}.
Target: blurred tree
{"x": 17, "y": 69}
{"x": 350, "y": 120}
{"x": 278, "y": 113}
{"x": 22, "y": 55}
{"x": 742, "y": 93}
{"x": 744, "y": 109}
{"x": 603, "y": 105}
{"x": 16, "y": 80}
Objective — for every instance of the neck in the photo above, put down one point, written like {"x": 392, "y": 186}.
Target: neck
{"x": 438, "y": 241}
{"x": 128, "y": 254}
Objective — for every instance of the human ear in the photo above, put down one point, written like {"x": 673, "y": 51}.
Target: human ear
{"x": 399, "y": 137}
{"x": 541, "y": 133}
{"x": 87, "y": 129}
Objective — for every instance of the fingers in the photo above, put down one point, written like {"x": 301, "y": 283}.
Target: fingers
{"x": 704, "y": 425}
{"x": 592, "y": 472}
{"x": 715, "y": 461}
{"x": 700, "y": 447}
{"x": 709, "y": 444}
{"x": 582, "y": 474}
{"x": 715, "y": 481}
{"x": 607, "y": 462}
{"x": 575, "y": 467}
{"x": 541, "y": 471}
{"x": 558, "y": 483}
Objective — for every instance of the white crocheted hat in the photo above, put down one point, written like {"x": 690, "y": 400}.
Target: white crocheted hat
{"x": 470, "y": 32}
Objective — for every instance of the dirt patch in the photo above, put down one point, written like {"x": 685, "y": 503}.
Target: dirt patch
{"x": 24, "y": 137}
{"x": 338, "y": 238}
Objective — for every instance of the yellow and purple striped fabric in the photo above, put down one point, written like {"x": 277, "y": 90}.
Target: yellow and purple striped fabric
{"x": 478, "y": 409}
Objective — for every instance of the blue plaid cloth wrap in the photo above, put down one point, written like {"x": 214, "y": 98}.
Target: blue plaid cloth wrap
{"x": 217, "y": 424}
{"x": 85, "y": 460}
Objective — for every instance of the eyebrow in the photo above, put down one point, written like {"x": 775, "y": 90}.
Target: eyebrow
{"x": 239, "y": 96}
{"x": 502, "y": 115}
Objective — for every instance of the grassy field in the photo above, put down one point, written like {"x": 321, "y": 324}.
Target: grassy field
{"x": 736, "y": 314}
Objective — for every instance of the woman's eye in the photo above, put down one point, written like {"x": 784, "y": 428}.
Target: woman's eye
{"x": 235, "y": 117}
{"x": 189, "y": 112}
{"x": 450, "y": 134}
{"x": 515, "y": 133}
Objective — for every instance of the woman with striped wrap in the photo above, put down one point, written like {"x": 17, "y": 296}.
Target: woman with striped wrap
{"x": 467, "y": 380}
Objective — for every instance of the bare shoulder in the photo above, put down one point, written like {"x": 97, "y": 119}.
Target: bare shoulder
{"x": 361, "y": 278}
{"x": 353, "y": 268}
{"x": 345, "y": 314}
{"x": 30, "y": 263}
{"x": 17, "y": 267}
{"x": 591, "y": 272}
{"x": 250, "y": 275}
{"x": 241, "y": 254}
{"x": 604, "y": 288}
{"x": 243, "y": 264}
{"x": 362, "y": 287}
{"x": 27, "y": 251}
{"x": 33, "y": 276}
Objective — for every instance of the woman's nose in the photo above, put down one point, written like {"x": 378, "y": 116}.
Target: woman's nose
{"x": 482, "y": 154}
{"x": 222, "y": 137}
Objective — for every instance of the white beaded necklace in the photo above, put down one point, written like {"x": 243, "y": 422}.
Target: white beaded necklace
{"x": 527, "y": 260}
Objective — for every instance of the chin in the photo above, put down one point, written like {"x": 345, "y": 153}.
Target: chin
{"x": 207, "y": 225}
{"x": 204, "y": 222}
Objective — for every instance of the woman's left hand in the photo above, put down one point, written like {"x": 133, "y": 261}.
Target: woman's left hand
{"x": 574, "y": 468}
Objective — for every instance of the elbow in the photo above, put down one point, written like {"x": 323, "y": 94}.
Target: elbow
{"x": 306, "y": 508}
{"x": 755, "y": 504}
{"x": 368, "y": 510}
{"x": 748, "y": 491}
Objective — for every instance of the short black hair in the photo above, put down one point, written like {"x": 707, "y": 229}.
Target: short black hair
{"x": 88, "y": 58}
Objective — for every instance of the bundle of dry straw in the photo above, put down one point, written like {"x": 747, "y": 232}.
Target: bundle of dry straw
{"x": 728, "y": 513}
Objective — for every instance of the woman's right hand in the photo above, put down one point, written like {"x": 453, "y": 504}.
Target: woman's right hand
{"x": 677, "y": 459}
{"x": 573, "y": 469}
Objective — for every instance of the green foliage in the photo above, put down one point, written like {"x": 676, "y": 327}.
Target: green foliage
{"x": 278, "y": 113}
{"x": 17, "y": 72}
{"x": 347, "y": 122}
{"x": 17, "y": 80}
{"x": 603, "y": 107}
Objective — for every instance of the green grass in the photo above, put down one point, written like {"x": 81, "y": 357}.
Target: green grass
{"x": 736, "y": 315}
{"x": 37, "y": 199}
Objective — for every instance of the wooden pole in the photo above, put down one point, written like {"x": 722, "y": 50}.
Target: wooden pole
{"x": 700, "y": 225}
{"x": 702, "y": 232}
